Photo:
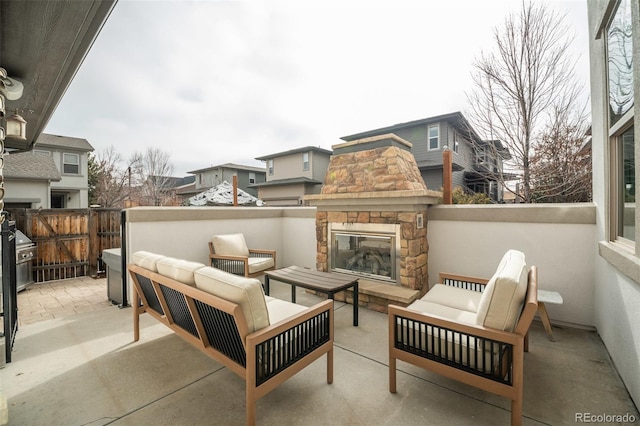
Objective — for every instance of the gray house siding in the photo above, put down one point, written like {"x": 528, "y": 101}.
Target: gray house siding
{"x": 319, "y": 164}
{"x": 451, "y": 127}
{"x": 433, "y": 179}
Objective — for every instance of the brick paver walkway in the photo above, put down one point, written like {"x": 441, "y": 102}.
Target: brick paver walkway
{"x": 59, "y": 299}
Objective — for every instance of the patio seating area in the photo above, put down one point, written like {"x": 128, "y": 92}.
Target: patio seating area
{"x": 85, "y": 368}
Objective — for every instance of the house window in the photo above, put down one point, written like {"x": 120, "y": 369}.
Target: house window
{"x": 456, "y": 143}
{"x": 620, "y": 62}
{"x": 434, "y": 133}
{"x": 252, "y": 177}
{"x": 625, "y": 193}
{"x": 305, "y": 161}
{"x": 71, "y": 164}
{"x": 270, "y": 166}
{"x": 621, "y": 124}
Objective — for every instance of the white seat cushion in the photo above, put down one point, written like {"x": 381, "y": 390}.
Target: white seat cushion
{"x": 146, "y": 260}
{"x": 503, "y": 296}
{"x": 230, "y": 245}
{"x": 454, "y": 297}
{"x": 447, "y": 312}
{"x": 281, "y": 309}
{"x": 245, "y": 292}
{"x": 178, "y": 269}
{"x": 257, "y": 264}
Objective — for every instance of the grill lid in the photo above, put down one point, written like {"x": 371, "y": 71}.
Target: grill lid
{"x": 22, "y": 239}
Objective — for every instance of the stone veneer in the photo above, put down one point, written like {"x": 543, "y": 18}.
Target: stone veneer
{"x": 377, "y": 181}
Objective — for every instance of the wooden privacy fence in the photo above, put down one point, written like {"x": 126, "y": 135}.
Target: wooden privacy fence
{"x": 69, "y": 241}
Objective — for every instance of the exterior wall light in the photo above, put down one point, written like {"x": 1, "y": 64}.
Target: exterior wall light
{"x": 16, "y": 127}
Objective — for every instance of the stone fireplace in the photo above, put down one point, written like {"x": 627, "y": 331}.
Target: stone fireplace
{"x": 371, "y": 220}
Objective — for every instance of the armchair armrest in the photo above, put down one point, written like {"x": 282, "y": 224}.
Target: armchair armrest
{"x": 477, "y": 350}
{"x": 463, "y": 281}
{"x": 237, "y": 265}
{"x": 262, "y": 253}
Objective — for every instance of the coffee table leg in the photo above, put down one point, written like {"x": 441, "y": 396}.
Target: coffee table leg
{"x": 355, "y": 304}
{"x": 266, "y": 285}
{"x": 293, "y": 293}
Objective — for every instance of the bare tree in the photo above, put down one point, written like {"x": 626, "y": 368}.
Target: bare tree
{"x": 561, "y": 164}
{"x": 527, "y": 83}
{"x": 111, "y": 185}
{"x": 152, "y": 174}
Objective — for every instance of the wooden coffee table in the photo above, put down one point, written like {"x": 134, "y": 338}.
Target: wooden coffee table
{"x": 323, "y": 282}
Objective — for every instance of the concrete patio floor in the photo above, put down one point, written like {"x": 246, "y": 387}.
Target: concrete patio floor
{"x": 83, "y": 368}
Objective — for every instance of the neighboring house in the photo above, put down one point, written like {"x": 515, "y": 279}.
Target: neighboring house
{"x": 28, "y": 177}
{"x": 293, "y": 174}
{"x": 476, "y": 163}
{"x": 58, "y": 163}
{"x": 213, "y": 176}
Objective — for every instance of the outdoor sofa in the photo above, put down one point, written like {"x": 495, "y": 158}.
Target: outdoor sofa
{"x": 263, "y": 340}
{"x": 470, "y": 329}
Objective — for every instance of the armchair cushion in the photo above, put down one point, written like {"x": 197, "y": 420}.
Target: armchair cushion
{"x": 179, "y": 269}
{"x": 146, "y": 260}
{"x": 230, "y": 245}
{"x": 454, "y": 297}
{"x": 503, "y": 296}
{"x": 245, "y": 292}
{"x": 446, "y": 312}
{"x": 257, "y": 264}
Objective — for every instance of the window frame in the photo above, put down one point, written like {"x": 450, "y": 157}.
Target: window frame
{"x": 65, "y": 163}
{"x": 437, "y": 137}
{"x": 305, "y": 161}
{"x": 270, "y": 166}
{"x": 252, "y": 177}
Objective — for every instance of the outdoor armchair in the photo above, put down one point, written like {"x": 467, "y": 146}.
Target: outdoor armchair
{"x": 229, "y": 253}
{"x": 471, "y": 330}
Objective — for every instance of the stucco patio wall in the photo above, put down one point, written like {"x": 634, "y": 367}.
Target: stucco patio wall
{"x": 470, "y": 239}
{"x": 184, "y": 232}
{"x": 558, "y": 238}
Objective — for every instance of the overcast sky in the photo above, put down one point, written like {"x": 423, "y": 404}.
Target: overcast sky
{"x": 215, "y": 82}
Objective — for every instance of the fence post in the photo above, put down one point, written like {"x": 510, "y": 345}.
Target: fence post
{"x": 447, "y": 197}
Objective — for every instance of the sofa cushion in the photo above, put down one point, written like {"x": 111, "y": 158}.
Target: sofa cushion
{"x": 257, "y": 264}
{"x": 146, "y": 260}
{"x": 245, "y": 292}
{"x": 281, "y": 309}
{"x": 503, "y": 296}
{"x": 454, "y": 297}
{"x": 178, "y": 269}
{"x": 230, "y": 245}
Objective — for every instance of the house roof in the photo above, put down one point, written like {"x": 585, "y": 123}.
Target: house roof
{"x": 30, "y": 165}
{"x": 289, "y": 181}
{"x": 173, "y": 182}
{"x": 231, "y": 166}
{"x": 455, "y": 117}
{"x": 295, "y": 151}
{"x": 54, "y": 141}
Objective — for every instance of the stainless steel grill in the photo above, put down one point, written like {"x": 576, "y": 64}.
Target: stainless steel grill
{"x": 25, "y": 255}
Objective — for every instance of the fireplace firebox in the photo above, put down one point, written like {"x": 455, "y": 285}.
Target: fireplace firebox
{"x": 369, "y": 250}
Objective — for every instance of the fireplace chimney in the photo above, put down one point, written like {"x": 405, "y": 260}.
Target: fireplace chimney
{"x": 371, "y": 219}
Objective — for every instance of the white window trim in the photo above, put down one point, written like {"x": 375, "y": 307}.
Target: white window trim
{"x": 436, "y": 126}
{"x": 306, "y": 165}
{"x": 64, "y": 163}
